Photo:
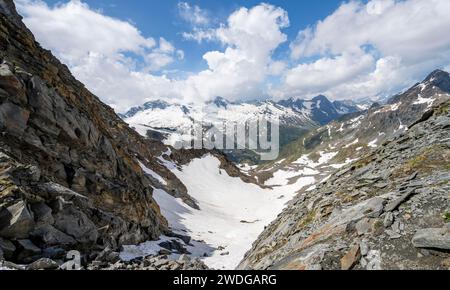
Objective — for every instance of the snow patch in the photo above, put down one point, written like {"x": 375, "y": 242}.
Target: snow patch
{"x": 421, "y": 100}
{"x": 373, "y": 144}
{"x": 351, "y": 144}
{"x": 324, "y": 158}
{"x": 283, "y": 177}
{"x": 347, "y": 161}
{"x": 152, "y": 174}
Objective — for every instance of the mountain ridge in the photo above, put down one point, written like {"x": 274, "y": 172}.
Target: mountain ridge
{"x": 168, "y": 122}
{"x": 337, "y": 107}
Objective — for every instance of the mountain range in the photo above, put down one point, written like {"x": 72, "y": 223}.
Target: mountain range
{"x": 166, "y": 122}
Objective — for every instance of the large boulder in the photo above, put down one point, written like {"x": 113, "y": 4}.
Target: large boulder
{"x": 49, "y": 236}
{"x": 42, "y": 214}
{"x": 433, "y": 238}
{"x": 76, "y": 224}
{"x": 16, "y": 221}
{"x": 43, "y": 264}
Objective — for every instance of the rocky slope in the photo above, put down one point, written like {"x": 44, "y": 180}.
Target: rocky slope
{"x": 69, "y": 175}
{"x": 388, "y": 210}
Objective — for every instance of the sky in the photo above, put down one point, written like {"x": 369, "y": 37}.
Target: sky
{"x": 130, "y": 52}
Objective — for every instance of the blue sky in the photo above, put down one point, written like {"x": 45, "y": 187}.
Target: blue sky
{"x": 161, "y": 18}
{"x": 130, "y": 52}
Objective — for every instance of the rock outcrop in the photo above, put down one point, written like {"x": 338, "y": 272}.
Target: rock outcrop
{"x": 69, "y": 176}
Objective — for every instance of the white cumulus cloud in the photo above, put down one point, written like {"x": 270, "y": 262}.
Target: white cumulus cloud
{"x": 370, "y": 49}
{"x": 101, "y": 51}
{"x": 193, "y": 14}
{"x": 250, "y": 37}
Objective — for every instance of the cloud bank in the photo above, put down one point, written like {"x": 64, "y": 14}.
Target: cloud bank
{"x": 360, "y": 50}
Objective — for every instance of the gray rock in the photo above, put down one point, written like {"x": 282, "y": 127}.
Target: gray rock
{"x": 388, "y": 219}
{"x": 76, "y": 224}
{"x": 34, "y": 173}
{"x": 161, "y": 262}
{"x": 27, "y": 249}
{"x": 412, "y": 176}
{"x": 184, "y": 258}
{"x": 373, "y": 260}
{"x": 13, "y": 266}
{"x": 363, "y": 262}
{"x": 16, "y": 221}
{"x": 163, "y": 252}
{"x": 364, "y": 248}
{"x": 175, "y": 267}
{"x": 7, "y": 248}
{"x": 433, "y": 238}
{"x": 42, "y": 213}
{"x": 43, "y": 264}
{"x": 50, "y": 236}
{"x": 13, "y": 118}
{"x": 377, "y": 206}
{"x": 185, "y": 239}
{"x": 108, "y": 256}
{"x": 393, "y": 235}
{"x": 57, "y": 190}
{"x": 174, "y": 246}
{"x": 397, "y": 202}
{"x": 443, "y": 122}
{"x": 54, "y": 253}
{"x": 397, "y": 227}
{"x": 416, "y": 184}
{"x": 381, "y": 185}
{"x": 371, "y": 177}
{"x": 363, "y": 226}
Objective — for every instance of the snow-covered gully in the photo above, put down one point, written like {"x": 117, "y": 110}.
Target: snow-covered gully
{"x": 232, "y": 213}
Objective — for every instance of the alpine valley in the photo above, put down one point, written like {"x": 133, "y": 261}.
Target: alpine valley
{"x": 356, "y": 186}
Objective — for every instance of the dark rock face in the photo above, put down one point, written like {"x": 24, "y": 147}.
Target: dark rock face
{"x": 69, "y": 175}
{"x": 388, "y": 210}
{"x": 322, "y": 110}
{"x": 221, "y": 102}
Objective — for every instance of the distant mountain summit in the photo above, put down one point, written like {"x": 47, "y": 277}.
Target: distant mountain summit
{"x": 221, "y": 102}
{"x": 320, "y": 108}
{"x": 434, "y": 87}
{"x": 147, "y": 106}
